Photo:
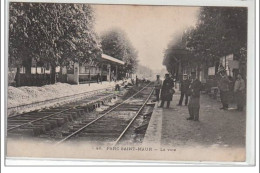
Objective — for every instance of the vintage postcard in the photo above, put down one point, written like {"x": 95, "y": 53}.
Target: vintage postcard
{"x": 129, "y": 82}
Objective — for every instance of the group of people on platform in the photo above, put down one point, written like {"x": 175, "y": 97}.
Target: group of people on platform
{"x": 192, "y": 87}
{"x": 227, "y": 86}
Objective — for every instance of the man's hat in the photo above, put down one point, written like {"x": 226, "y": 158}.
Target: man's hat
{"x": 158, "y": 75}
{"x": 167, "y": 74}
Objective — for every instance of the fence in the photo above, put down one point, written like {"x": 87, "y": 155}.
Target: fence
{"x": 35, "y": 79}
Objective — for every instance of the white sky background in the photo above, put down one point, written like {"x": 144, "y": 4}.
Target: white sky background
{"x": 149, "y": 28}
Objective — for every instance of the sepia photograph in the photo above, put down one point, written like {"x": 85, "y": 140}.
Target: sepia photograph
{"x": 128, "y": 82}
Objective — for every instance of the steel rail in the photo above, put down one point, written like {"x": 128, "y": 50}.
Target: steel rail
{"x": 78, "y": 94}
{"x": 88, "y": 124}
{"x": 127, "y": 127}
{"x": 63, "y": 98}
{"x": 53, "y": 114}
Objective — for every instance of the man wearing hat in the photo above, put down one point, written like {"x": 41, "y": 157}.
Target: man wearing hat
{"x": 167, "y": 90}
{"x": 223, "y": 86}
{"x": 194, "y": 103}
{"x": 157, "y": 85}
{"x": 185, "y": 84}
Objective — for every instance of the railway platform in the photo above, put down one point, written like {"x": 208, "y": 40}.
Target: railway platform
{"x": 215, "y": 128}
{"x": 25, "y": 99}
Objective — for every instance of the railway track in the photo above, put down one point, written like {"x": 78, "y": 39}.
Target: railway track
{"x": 38, "y": 122}
{"x": 84, "y": 124}
{"x": 17, "y": 110}
{"x": 112, "y": 125}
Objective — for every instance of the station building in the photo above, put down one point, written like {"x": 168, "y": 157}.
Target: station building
{"x": 106, "y": 66}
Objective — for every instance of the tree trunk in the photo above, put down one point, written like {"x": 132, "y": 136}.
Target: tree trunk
{"x": 60, "y": 75}
{"x": 28, "y": 65}
{"x": 53, "y": 74}
{"x": 89, "y": 76}
{"x": 101, "y": 70}
{"x": 36, "y": 75}
{"x": 18, "y": 78}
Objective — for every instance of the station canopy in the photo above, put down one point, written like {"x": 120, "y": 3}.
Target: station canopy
{"x": 105, "y": 57}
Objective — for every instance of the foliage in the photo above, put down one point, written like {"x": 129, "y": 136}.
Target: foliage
{"x": 116, "y": 44}
{"x": 220, "y": 31}
{"x": 51, "y": 33}
{"x": 144, "y": 72}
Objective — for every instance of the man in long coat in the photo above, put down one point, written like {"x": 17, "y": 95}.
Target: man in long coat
{"x": 185, "y": 84}
{"x": 167, "y": 91}
{"x": 194, "y": 103}
{"x": 223, "y": 86}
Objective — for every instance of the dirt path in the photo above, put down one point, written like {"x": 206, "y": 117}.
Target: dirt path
{"x": 216, "y": 128}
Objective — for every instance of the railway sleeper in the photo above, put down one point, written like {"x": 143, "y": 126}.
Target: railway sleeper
{"x": 127, "y": 110}
{"x": 34, "y": 130}
{"x": 60, "y": 121}
{"x": 97, "y": 127}
{"x": 50, "y": 111}
{"x": 99, "y": 135}
{"x": 95, "y": 139}
{"x": 75, "y": 127}
{"x": 14, "y": 116}
{"x": 74, "y": 115}
{"x": 65, "y": 118}
{"x": 110, "y": 122}
{"x": 46, "y": 125}
{"x": 81, "y": 111}
{"x": 77, "y": 114}
{"x": 65, "y": 133}
{"x": 11, "y": 125}
{"x": 107, "y": 124}
{"x": 98, "y": 131}
{"x": 26, "y": 118}
{"x": 34, "y": 116}
{"x": 86, "y": 108}
{"x": 16, "y": 121}
{"x": 104, "y": 128}
{"x": 17, "y": 135}
{"x": 69, "y": 116}
{"x": 21, "y": 133}
{"x": 53, "y": 123}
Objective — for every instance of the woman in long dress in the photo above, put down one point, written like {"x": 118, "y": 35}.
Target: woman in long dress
{"x": 239, "y": 91}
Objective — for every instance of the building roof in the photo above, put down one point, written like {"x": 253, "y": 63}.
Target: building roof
{"x": 110, "y": 58}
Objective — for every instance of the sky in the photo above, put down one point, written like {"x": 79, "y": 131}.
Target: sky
{"x": 149, "y": 28}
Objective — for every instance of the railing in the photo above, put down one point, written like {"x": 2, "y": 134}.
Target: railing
{"x": 37, "y": 79}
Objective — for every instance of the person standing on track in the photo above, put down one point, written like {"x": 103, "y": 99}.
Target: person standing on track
{"x": 185, "y": 84}
{"x": 167, "y": 91}
{"x": 194, "y": 103}
{"x": 157, "y": 86}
